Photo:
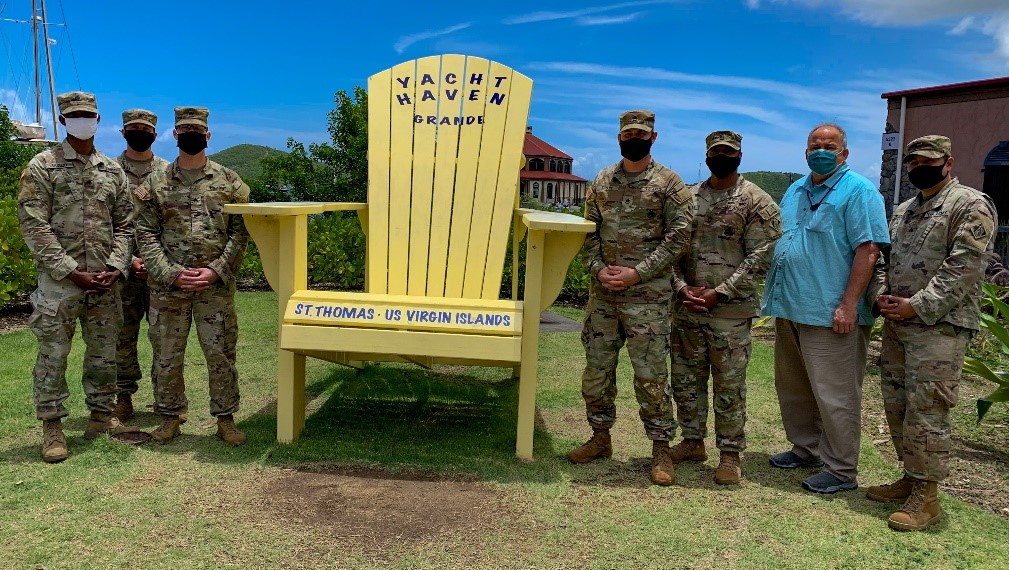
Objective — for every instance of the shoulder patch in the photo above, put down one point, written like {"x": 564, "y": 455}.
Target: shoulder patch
{"x": 979, "y": 232}
{"x": 237, "y": 184}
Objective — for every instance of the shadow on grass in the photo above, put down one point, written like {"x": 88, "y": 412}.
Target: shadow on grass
{"x": 451, "y": 422}
{"x": 757, "y": 468}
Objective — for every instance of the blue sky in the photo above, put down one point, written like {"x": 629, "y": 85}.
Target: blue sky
{"x": 769, "y": 69}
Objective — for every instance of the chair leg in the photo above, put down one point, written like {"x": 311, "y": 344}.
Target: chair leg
{"x": 290, "y": 396}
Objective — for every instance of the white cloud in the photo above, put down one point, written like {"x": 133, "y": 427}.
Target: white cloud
{"x": 962, "y": 27}
{"x": 547, "y": 16}
{"x": 407, "y": 41}
{"x": 607, "y": 20}
{"x": 774, "y": 116}
{"x": 991, "y": 17}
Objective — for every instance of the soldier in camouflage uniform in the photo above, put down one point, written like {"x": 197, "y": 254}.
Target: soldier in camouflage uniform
{"x": 642, "y": 213}
{"x": 192, "y": 250}
{"x": 138, "y": 161}
{"x": 734, "y": 229}
{"x": 929, "y": 291}
{"x": 75, "y": 215}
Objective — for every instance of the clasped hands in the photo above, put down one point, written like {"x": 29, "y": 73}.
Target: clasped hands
{"x": 196, "y": 279}
{"x": 617, "y": 278}
{"x": 95, "y": 281}
{"x": 895, "y": 308}
{"x": 698, "y": 298}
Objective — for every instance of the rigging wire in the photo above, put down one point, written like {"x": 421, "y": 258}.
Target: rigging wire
{"x": 73, "y": 56}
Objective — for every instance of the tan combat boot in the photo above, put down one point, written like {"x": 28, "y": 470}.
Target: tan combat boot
{"x": 663, "y": 469}
{"x": 688, "y": 450}
{"x": 729, "y": 468}
{"x": 227, "y": 431}
{"x": 54, "y": 443}
{"x": 124, "y": 407}
{"x": 168, "y": 430}
{"x": 597, "y": 446}
{"x": 101, "y": 422}
{"x": 920, "y": 510}
{"x": 899, "y": 490}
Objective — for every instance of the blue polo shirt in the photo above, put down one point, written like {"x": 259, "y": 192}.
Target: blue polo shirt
{"x": 822, "y": 225}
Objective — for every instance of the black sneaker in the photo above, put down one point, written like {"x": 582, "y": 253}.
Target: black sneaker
{"x": 789, "y": 460}
{"x": 826, "y": 483}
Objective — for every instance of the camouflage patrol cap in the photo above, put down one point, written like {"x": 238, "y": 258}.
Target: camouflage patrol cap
{"x": 730, "y": 139}
{"x": 141, "y": 116}
{"x": 76, "y": 101}
{"x": 640, "y": 119}
{"x": 929, "y": 146}
{"x": 191, "y": 116}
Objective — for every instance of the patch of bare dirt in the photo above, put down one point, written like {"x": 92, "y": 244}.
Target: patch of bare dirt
{"x": 979, "y": 462}
{"x": 375, "y": 510}
{"x": 14, "y": 314}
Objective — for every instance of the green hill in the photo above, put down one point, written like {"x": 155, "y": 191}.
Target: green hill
{"x": 244, "y": 158}
{"x": 774, "y": 183}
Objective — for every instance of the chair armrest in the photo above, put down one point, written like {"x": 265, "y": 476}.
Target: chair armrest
{"x": 292, "y": 208}
{"x": 554, "y": 239}
{"x": 555, "y": 221}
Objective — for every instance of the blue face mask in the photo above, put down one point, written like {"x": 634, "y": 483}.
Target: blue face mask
{"x": 822, "y": 161}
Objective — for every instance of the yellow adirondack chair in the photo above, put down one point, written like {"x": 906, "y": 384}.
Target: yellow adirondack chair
{"x": 445, "y": 137}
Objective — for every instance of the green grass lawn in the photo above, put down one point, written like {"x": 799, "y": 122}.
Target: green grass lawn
{"x": 405, "y": 468}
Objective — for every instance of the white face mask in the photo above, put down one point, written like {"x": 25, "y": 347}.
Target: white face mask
{"x": 82, "y": 128}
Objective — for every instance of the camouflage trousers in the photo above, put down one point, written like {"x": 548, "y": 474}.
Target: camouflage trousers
{"x": 644, "y": 327}
{"x": 171, "y": 315}
{"x": 54, "y": 321}
{"x": 135, "y": 298}
{"x": 919, "y": 376}
{"x": 700, "y": 345}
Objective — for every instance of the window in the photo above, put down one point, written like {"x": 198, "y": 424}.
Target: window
{"x": 567, "y": 167}
{"x": 550, "y": 190}
{"x": 536, "y": 164}
{"x": 553, "y": 165}
{"x": 536, "y": 190}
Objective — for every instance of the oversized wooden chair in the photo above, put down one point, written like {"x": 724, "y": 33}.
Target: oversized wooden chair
{"x": 445, "y": 137}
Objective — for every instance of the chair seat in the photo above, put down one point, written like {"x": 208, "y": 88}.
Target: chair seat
{"x": 405, "y": 312}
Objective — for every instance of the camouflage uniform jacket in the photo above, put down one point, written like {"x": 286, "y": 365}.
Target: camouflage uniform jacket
{"x": 181, "y": 226}
{"x": 734, "y": 232}
{"x": 137, "y": 171}
{"x": 74, "y": 211}
{"x": 940, "y": 248}
{"x": 642, "y": 221}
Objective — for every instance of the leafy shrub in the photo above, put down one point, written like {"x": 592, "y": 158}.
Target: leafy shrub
{"x": 336, "y": 247}
{"x": 17, "y": 268}
{"x": 994, "y": 308}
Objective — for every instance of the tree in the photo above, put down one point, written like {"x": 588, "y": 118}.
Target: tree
{"x": 326, "y": 172}
{"x": 17, "y": 268}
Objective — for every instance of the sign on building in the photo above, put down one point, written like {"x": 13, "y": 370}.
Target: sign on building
{"x": 891, "y": 141}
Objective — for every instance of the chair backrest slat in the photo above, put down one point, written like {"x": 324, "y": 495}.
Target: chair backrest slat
{"x": 444, "y": 150}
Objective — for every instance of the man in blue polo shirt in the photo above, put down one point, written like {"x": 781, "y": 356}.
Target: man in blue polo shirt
{"x": 833, "y": 224}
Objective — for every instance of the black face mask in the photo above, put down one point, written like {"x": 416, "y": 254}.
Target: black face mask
{"x": 635, "y": 149}
{"x": 925, "y": 177}
{"x": 192, "y": 143}
{"x": 721, "y": 165}
{"x": 139, "y": 141}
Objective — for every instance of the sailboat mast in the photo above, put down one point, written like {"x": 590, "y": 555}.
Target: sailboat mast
{"x": 38, "y": 78}
{"x": 49, "y": 66}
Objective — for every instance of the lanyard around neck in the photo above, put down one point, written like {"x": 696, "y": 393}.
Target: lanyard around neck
{"x": 813, "y": 207}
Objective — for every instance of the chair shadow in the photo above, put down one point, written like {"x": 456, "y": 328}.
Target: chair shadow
{"x": 447, "y": 421}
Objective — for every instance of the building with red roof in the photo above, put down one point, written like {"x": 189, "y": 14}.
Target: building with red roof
{"x": 547, "y": 174}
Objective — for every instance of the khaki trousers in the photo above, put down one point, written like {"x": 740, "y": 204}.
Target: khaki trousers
{"x": 818, "y": 377}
